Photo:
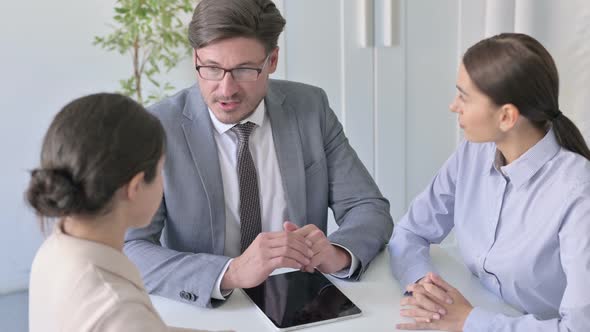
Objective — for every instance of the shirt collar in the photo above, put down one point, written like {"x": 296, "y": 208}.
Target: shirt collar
{"x": 100, "y": 255}
{"x": 524, "y": 167}
{"x": 257, "y": 118}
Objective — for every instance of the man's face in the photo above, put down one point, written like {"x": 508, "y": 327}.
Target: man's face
{"x": 231, "y": 100}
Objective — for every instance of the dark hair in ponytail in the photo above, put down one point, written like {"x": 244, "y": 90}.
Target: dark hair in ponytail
{"x": 94, "y": 146}
{"x": 514, "y": 68}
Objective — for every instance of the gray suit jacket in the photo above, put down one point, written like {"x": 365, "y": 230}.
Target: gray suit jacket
{"x": 319, "y": 168}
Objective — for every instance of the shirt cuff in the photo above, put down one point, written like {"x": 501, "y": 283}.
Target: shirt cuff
{"x": 347, "y": 272}
{"x": 218, "y": 294}
{"x": 415, "y": 273}
{"x": 479, "y": 320}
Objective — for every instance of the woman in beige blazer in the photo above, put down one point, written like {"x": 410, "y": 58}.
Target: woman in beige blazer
{"x": 100, "y": 173}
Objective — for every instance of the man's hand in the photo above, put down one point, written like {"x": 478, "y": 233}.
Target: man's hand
{"x": 269, "y": 251}
{"x": 327, "y": 258}
{"x": 435, "y": 305}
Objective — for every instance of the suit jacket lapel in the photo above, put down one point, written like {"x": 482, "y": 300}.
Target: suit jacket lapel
{"x": 198, "y": 132}
{"x": 287, "y": 143}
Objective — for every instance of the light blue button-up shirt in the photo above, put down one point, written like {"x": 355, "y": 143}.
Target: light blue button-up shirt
{"x": 523, "y": 229}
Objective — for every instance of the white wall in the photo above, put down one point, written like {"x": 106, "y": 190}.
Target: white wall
{"x": 431, "y": 60}
{"x": 46, "y": 59}
{"x": 392, "y": 100}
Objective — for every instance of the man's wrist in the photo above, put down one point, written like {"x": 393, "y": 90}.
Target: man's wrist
{"x": 219, "y": 293}
{"x": 228, "y": 281}
{"x": 343, "y": 257}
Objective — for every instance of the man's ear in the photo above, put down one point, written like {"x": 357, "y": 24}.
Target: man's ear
{"x": 273, "y": 60}
{"x": 133, "y": 186}
{"x": 509, "y": 115}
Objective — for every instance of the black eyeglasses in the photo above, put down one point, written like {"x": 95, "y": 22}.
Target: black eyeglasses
{"x": 240, "y": 74}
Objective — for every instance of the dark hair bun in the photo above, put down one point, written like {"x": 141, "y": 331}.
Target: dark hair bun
{"x": 94, "y": 146}
{"x": 54, "y": 193}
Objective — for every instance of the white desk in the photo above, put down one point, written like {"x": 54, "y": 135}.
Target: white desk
{"x": 377, "y": 294}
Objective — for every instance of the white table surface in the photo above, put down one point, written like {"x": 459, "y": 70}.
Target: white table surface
{"x": 377, "y": 294}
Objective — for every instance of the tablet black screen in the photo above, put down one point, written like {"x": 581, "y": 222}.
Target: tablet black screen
{"x": 298, "y": 298}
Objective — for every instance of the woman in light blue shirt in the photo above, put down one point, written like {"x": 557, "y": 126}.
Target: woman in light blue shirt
{"x": 516, "y": 192}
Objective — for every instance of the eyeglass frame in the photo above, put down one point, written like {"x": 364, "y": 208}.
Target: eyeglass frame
{"x": 230, "y": 71}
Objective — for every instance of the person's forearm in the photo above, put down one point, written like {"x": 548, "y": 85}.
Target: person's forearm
{"x": 170, "y": 273}
{"x": 410, "y": 256}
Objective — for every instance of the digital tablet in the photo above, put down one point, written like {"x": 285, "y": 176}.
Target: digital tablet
{"x": 294, "y": 300}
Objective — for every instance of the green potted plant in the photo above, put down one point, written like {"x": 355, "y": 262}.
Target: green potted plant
{"x": 153, "y": 34}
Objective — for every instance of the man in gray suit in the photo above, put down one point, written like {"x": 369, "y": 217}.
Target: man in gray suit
{"x": 252, "y": 166}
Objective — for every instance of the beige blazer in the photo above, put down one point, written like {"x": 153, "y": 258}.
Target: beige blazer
{"x": 78, "y": 285}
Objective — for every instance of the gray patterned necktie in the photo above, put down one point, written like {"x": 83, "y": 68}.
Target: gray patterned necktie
{"x": 250, "y": 220}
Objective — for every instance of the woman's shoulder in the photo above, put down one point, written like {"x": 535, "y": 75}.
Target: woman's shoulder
{"x": 45, "y": 268}
{"x": 571, "y": 168}
{"x": 89, "y": 281}
{"x": 100, "y": 293}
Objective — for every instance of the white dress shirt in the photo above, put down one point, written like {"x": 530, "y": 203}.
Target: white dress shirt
{"x": 273, "y": 205}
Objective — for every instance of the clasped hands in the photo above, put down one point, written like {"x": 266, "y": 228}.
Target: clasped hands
{"x": 306, "y": 248}
{"x": 434, "y": 305}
